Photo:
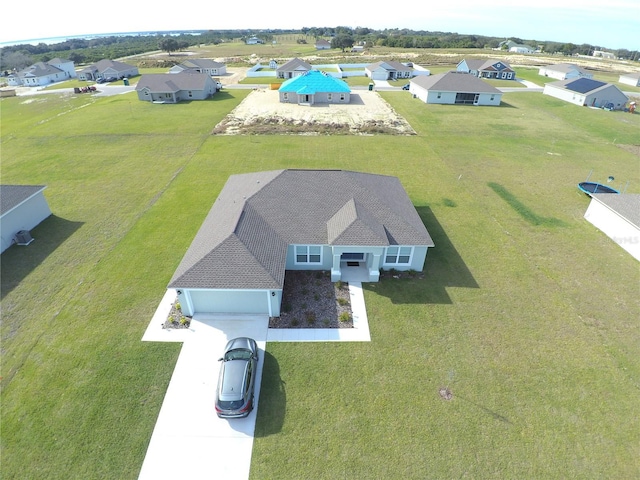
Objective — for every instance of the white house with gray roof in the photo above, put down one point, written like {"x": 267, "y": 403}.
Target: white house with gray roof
{"x": 22, "y": 207}
{"x": 482, "y": 68}
{"x": 632, "y": 79}
{"x": 587, "y": 92}
{"x": 175, "y": 87}
{"x": 265, "y": 223}
{"x": 43, "y": 73}
{"x": 293, "y": 68}
{"x": 388, "y": 70}
{"x": 201, "y": 65}
{"x": 618, "y": 217}
{"x": 454, "y": 88}
{"x": 564, "y": 71}
{"x": 108, "y": 69}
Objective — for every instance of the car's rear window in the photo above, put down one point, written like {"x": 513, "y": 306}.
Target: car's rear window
{"x": 235, "y": 405}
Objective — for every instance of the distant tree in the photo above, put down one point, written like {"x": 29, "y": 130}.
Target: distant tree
{"x": 15, "y": 60}
{"x": 76, "y": 57}
{"x": 183, "y": 45}
{"x": 168, "y": 45}
{"x": 342, "y": 41}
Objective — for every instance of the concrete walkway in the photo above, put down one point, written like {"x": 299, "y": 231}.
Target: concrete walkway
{"x": 189, "y": 440}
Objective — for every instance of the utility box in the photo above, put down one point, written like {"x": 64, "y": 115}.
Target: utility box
{"x": 23, "y": 237}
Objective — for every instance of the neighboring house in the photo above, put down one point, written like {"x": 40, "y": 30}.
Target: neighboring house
{"x": 22, "y": 207}
{"x": 618, "y": 216}
{"x": 265, "y": 223}
{"x": 491, "y": 68}
{"x": 174, "y": 87}
{"x": 43, "y": 73}
{"x": 314, "y": 87}
{"x": 323, "y": 44}
{"x": 293, "y": 68}
{"x": 454, "y": 88}
{"x": 603, "y": 54}
{"x": 564, "y": 71}
{"x": 273, "y": 64}
{"x": 108, "y": 69}
{"x": 587, "y": 92}
{"x": 253, "y": 41}
{"x": 201, "y": 65}
{"x": 522, "y": 49}
{"x": 388, "y": 70}
{"x": 632, "y": 79}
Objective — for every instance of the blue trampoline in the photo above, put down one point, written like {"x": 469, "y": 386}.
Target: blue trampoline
{"x": 594, "y": 187}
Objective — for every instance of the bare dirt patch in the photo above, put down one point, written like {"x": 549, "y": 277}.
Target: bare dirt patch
{"x": 634, "y": 149}
{"x": 261, "y": 113}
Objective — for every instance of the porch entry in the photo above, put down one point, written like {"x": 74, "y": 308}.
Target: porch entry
{"x": 352, "y": 259}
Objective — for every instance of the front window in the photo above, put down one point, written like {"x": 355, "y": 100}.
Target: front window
{"x": 398, "y": 255}
{"x": 308, "y": 254}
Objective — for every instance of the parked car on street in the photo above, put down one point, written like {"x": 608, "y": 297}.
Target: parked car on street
{"x": 236, "y": 384}
{"x": 406, "y": 87}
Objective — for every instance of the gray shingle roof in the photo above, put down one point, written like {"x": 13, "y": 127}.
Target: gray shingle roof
{"x": 173, "y": 82}
{"x": 13, "y": 195}
{"x": 294, "y": 64}
{"x": 243, "y": 241}
{"x": 627, "y": 205}
{"x": 454, "y": 82}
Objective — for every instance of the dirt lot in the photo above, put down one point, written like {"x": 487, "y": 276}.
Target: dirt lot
{"x": 262, "y": 113}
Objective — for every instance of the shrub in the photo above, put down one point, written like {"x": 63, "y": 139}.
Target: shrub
{"x": 343, "y": 301}
{"x": 178, "y": 306}
{"x": 311, "y": 317}
{"x": 344, "y": 317}
{"x": 295, "y": 322}
{"x": 183, "y": 320}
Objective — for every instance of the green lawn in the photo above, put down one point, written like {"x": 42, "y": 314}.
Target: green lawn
{"x": 527, "y": 312}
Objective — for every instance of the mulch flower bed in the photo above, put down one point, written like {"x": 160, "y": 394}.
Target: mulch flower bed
{"x": 312, "y": 300}
{"x": 176, "y": 319}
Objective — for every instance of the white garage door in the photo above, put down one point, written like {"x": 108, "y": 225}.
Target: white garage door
{"x": 240, "y": 301}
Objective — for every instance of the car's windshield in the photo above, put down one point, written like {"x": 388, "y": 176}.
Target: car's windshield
{"x": 237, "y": 355}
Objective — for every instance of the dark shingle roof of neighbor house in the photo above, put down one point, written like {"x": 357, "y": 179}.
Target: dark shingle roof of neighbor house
{"x": 454, "y": 82}
{"x": 581, "y": 85}
{"x": 13, "y": 195}
{"x": 627, "y": 205}
{"x": 484, "y": 64}
{"x": 243, "y": 241}
{"x": 173, "y": 82}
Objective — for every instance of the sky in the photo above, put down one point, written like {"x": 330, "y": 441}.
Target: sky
{"x": 611, "y": 24}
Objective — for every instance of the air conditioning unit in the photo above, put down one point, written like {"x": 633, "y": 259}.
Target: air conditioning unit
{"x": 23, "y": 237}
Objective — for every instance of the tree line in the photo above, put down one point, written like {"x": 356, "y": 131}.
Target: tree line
{"x": 87, "y": 51}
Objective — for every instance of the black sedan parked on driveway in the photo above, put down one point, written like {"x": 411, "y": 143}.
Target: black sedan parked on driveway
{"x": 236, "y": 384}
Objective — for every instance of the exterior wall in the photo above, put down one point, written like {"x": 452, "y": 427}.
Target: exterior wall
{"x": 24, "y": 217}
{"x": 607, "y": 95}
{"x": 557, "y": 74}
{"x": 566, "y": 95}
{"x": 111, "y": 72}
{"x": 320, "y": 97}
{"x": 615, "y": 227}
{"x": 449, "y": 98}
{"x": 628, "y": 80}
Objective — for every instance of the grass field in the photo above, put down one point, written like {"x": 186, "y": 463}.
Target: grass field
{"x": 527, "y": 312}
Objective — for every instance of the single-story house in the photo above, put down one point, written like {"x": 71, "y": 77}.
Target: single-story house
{"x": 632, "y": 79}
{"x": 174, "y": 87}
{"x": 201, "y": 65}
{"x": 587, "y": 92}
{"x": 491, "y": 68}
{"x": 314, "y": 87}
{"x": 293, "y": 68}
{"x": 522, "y": 49}
{"x": 454, "y": 88}
{"x": 43, "y": 73}
{"x": 618, "y": 216}
{"x": 322, "y": 44}
{"x": 265, "y": 223}
{"x": 108, "y": 69}
{"x": 253, "y": 41}
{"x": 388, "y": 70}
{"x": 603, "y": 54}
{"x": 22, "y": 207}
{"x": 564, "y": 71}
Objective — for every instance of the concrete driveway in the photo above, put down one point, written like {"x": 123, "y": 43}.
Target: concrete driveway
{"x": 189, "y": 440}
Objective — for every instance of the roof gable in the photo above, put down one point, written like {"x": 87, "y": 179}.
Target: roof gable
{"x": 353, "y": 224}
{"x": 295, "y": 64}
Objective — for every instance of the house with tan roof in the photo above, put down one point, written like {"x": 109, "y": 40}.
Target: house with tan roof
{"x": 454, "y": 88}
{"x": 175, "y": 87}
{"x": 265, "y": 223}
